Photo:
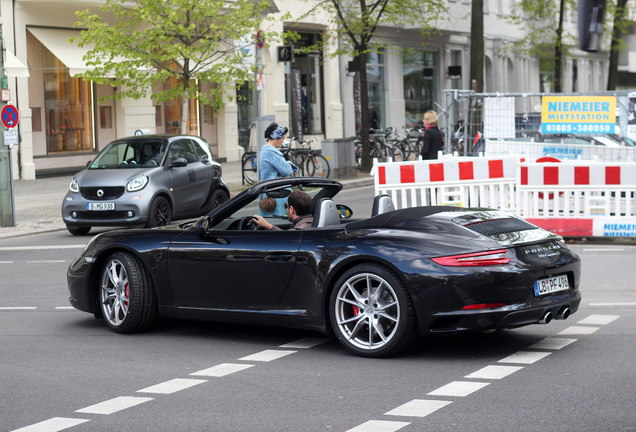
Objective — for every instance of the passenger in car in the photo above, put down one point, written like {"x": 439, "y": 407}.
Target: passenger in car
{"x": 298, "y": 207}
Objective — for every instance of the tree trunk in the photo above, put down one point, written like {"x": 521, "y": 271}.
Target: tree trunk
{"x": 558, "y": 51}
{"x": 477, "y": 46}
{"x": 617, "y": 34}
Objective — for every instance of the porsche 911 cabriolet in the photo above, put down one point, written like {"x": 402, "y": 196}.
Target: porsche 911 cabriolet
{"x": 377, "y": 284}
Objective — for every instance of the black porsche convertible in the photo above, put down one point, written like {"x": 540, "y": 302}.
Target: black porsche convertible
{"x": 376, "y": 283}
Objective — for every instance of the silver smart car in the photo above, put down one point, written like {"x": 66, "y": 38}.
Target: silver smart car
{"x": 145, "y": 181}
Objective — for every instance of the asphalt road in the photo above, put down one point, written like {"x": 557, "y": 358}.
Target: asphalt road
{"x": 63, "y": 370}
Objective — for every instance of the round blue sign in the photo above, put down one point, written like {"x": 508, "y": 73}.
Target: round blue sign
{"x": 9, "y": 116}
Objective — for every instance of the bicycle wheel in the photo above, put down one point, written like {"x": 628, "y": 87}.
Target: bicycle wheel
{"x": 396, "y": 154}
{"x": 250, "y": 168}
{"x": 406, "y": 147}
{"x": 298, "y": 159}
{"x": 318, "y": 166}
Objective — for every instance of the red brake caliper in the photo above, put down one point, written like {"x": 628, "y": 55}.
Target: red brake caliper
{"x": 127, "y": 294}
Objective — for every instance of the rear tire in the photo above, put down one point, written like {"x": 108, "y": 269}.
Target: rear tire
{"x": 160, "y": 213}
{"x": 371, "y": 312}
{"x": 127, "y": 299}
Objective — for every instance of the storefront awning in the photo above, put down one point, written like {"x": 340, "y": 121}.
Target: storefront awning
{"x": 57, "y": 41}
{"x": 14, "y": 67}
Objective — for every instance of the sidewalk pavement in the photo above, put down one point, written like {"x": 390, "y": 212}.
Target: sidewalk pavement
{"x": 38, "y": 203}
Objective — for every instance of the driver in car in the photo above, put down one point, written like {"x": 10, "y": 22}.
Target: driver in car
{"x": 298, "y": 212}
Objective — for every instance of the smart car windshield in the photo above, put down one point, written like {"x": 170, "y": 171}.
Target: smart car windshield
{"x": 130, "y": 154}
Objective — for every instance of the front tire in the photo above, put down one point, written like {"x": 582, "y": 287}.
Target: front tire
{"x": 160, "y": 213}
{"x": 371, "y": 312}
{"x": 127, "y": 299}
{"x": 217, "y": 198}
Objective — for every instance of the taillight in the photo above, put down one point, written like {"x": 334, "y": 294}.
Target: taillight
{"x": 486, "y": 258}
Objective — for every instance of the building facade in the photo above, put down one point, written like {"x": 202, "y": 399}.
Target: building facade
{"x": 63, "y": 125}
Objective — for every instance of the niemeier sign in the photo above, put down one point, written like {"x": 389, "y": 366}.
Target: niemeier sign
{"x": 578, "y": 114}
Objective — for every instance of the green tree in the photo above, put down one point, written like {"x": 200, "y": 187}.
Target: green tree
{"x": 355, "y": 23}
{"x": 135, "y": 45}
{"x": 546, "y": 38}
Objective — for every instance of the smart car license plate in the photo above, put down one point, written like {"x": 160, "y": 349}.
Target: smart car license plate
{"x": 102, "y": 206}
{"x": 551, "y": 284}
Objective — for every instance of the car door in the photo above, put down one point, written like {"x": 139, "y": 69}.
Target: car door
{"x": 191, "y": 183}
{"x": 232, "y": 269}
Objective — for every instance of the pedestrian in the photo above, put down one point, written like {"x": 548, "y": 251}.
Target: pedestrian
{"x": 433, "y": 140}
{"x": 298, "y": 213}
{"x": 272, "y": 164}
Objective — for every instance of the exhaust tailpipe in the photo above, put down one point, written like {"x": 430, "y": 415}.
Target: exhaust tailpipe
{"x": 546, "y": 318}
{"x": 564, "y": 313}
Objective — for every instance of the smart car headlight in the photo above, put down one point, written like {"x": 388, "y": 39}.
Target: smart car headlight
{"x": 74, "y": 186}
{"x": 136, "y": 184}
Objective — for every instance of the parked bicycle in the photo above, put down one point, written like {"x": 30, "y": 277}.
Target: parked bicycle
{"x": 309, "y": 162}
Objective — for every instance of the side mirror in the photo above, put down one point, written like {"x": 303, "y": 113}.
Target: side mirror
{"x": 202, "y": 226}
{"x": 88, "y": 163}
{"x": 344, "y": 211}
{"x": 179, "y": 162}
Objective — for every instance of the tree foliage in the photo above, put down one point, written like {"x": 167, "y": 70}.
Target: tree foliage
{"x": 547, "y": 37}
{"x": 355, "y": 23}
{"x": 136, "y": 44}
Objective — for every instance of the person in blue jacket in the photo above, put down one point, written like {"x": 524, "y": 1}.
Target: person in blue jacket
{"x": 272, "y": 164}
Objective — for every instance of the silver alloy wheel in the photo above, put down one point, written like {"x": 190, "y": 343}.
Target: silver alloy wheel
{"x": 115, "y": 293}
{"x": 367, "y": 311}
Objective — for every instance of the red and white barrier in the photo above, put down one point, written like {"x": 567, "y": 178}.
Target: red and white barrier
{"x": 466, "y": 182}
{"x": 578, "y": 198}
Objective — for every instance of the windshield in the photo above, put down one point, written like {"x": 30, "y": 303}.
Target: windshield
{"x": 131, "y": 154}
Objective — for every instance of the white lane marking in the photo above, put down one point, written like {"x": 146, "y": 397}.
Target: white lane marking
{"x": 599, "y": 319}
{"x": 64, "y": 308}
{"x": 494, "y": 372}
{"x": 618, "y": 304}
{"x": 114, "y": 405}
{"x": 553, "y": 343}
{"x": 267, "y": 355}
{"x": 576, "y": 330}
{"x": 305, "y": 343}
{"x": 379, "y": 426}
{"x": 418, "y": 408}
{"x": 6, "y": 262}
{"x": 46, "y": 262}
{"x": 458, "y": 388}
{"x": 222, "y": 370}
{"x": 54, "y": 247}
{"x": 525, "y": 357}
{"x": 172, "y": 386}
{"x": 54, "y": 424}
{"x": 10, "y": 308}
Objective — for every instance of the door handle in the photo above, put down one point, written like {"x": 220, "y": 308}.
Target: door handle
{"x": 279, "y": 257}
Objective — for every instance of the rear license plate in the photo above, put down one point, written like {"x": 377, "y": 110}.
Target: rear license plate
{"x": 100, "y": 206}
{"x": 550, "y": 285}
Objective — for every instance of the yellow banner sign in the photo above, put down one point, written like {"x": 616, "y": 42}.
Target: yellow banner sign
{"x": 578, "y": 114}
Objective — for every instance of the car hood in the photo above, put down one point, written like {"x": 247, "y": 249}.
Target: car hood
{"x": 111, "y": 177}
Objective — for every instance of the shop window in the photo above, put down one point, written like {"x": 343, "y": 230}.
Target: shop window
{"x": 376, "y": 90}
{"x": 173, "y": 109}
{"x": 36, "y": 119}
{"x": 69, "y": 108}
{"x": 309, "y": 61}
{"x": 246, "y": 113}
{"x": 105, "y": 117}
{"x": 421, "y": 75}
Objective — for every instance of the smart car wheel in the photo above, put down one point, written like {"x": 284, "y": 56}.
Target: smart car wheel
{"x": 371, "y": 312}
{"x": 78, "y": 230}
{"x": 127, "y": 299}
{"x": 160, "y": 213}
{"x": 217, "y": 198}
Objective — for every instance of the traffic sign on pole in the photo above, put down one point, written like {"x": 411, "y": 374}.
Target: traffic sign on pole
{"x": 9, "y": 116}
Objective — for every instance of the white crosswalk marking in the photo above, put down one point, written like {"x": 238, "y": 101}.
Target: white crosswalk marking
{"x": 494, "y": 372}
{"x": 599, "y": 319}
{"x": 222, "y": 370}
{"x": 172, "y": 386}
{"x": 379, "y": 426}
{"x": 577, "y": 330}
{"x": 553, "y": 343}
{"x": 304, "y": 343}
{"x": 52, "y": 425}
{"x": 267, "y": 355}
{"x": 458, "y": 388}
{"x": 114, "y": 405}
{"x": 525, "y": 357}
